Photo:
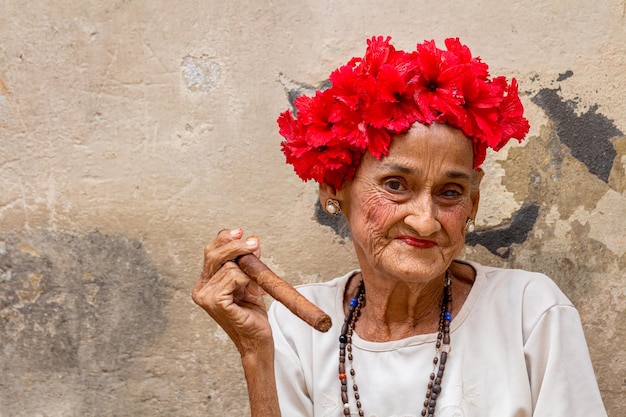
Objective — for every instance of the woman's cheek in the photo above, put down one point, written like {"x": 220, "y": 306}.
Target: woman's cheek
{"x": 378, "y": 212}
{"x": 453, "y": 220}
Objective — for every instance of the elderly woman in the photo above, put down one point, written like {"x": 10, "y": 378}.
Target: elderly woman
{"x": 396, "y": 144}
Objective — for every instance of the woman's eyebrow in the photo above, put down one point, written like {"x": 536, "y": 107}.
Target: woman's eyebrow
{"x": 399, "y": 168}
{"x": 457, "y": 175}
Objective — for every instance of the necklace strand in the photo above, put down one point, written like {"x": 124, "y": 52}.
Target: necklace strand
{"x": 442, "y": 347}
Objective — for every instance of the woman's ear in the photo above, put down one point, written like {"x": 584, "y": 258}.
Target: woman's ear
{"x": 326, "y": 192}
{"x": 475, "y": 192}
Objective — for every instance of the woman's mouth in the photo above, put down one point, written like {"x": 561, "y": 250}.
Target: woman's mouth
{"x": 416, "y": 242}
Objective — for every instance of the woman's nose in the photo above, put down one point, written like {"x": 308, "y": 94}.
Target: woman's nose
{"x": 422, "y": 216}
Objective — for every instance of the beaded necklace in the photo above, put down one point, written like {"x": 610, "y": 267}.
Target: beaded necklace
{"x": 439, "y": 362}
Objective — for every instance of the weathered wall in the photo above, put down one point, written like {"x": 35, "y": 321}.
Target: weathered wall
{"x": 132, "y": 131}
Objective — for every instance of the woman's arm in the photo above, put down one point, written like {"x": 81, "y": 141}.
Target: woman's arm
{"x": 236, "y": 303}
{"x": 259, "y": 371}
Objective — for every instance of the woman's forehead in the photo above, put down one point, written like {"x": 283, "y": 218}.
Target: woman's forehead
{"x": 428, "y": 146}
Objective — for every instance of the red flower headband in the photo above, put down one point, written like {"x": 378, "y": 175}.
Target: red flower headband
{"x": 382, "y": 94}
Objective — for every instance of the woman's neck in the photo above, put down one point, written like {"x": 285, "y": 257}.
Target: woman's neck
{"x": 395, "y": 309}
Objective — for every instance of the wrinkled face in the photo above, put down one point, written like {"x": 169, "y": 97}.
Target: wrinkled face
{"x": 407, "y": 211}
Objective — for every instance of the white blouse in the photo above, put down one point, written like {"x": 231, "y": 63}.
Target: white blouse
{"x": 518, "y": 350}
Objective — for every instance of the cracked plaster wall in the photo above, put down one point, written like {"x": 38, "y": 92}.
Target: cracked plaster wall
{"x": 132, "y": 131}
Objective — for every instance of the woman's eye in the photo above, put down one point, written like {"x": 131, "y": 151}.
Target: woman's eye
{"x": 394, "y": 185}
{"x": 451, "y": 193}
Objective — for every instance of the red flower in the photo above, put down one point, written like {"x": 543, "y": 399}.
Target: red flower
{"x": 481, "y": 101}
{"x": 480, "y": 152}
{"x": 462, "y": 55}
{"x": 329, "y": 163}
{"x": 513, "y": 123}
{"x": 378, "y": 52}
{"x": 394, "y": 108}
{"x": 384, "y": 93}
{"x": 345, "y": 82}
{"x": 438, "y": 82}
{"x": 318, "y": 115}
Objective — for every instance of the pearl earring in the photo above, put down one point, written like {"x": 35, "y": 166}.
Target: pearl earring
{"x": 469, "y": 225}
{"x": 333, "y": 207}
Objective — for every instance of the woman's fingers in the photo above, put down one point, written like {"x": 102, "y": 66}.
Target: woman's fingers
{"x": 222, "y": 272}
{"x": 230, "y": 296}
{"x": 216, "y": 294}
{"x": 227, "y": 246}
{"x": 235, "y": 302}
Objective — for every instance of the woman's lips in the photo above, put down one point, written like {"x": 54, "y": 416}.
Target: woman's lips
{"x": 418, "y": 243}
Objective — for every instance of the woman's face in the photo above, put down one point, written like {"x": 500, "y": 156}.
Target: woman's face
{"x": 407, "y": 211}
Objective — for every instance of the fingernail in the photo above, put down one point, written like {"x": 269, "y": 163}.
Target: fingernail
{"x": 236, "y": 232}
{"x": 251, "y": 242}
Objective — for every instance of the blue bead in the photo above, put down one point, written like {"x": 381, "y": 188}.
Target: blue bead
{"x": 447, "y": 316}
{"x": 354, "y": 302}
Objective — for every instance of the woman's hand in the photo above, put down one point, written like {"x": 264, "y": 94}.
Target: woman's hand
{"x": 230, "y": 297}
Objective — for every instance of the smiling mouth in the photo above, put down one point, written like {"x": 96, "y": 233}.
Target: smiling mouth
{"x": 417, "y": 243}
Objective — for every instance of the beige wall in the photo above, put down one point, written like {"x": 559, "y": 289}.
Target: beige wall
{"x": 132, "y": 131}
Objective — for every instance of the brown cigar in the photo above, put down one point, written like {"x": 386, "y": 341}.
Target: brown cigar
{"x": 283, "y": 292}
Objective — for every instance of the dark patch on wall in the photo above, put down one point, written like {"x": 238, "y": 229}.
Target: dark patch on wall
{"x": 565, "y": 75}
{"x": 588, "y": 136}
{"x": 79, "y": 308}
{"x": 295, "y": 89}
{"x": 499, "y": 240}
{"x": 293, "y": 94}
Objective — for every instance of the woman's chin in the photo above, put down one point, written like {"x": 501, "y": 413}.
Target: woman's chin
{"x": 422, "y": 270}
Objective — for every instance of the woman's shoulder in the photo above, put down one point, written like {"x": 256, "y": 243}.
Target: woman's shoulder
{"x": 529, "y": 285}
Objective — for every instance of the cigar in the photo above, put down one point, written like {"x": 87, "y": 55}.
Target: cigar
{"x": 284, "y": 293}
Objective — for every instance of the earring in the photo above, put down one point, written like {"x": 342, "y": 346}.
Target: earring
{"x": 333, "y": 207}
{"x": 469, "y": 225}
